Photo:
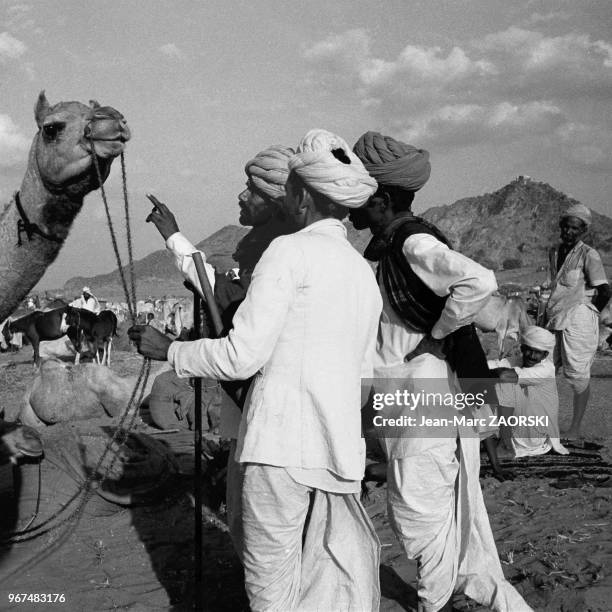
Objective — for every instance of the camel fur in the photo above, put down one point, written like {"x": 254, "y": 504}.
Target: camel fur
{"x": 60, "y": 173}
{"x": 61, "y": 393}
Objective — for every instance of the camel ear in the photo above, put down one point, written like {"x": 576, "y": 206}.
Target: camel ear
{"x": 94, "y": 104}
{"x": 41, "y": 109}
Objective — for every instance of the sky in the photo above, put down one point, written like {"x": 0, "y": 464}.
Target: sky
{"x": 492, "y": 89}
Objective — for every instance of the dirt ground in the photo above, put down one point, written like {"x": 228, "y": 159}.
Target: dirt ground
{"x": 555, "y": 543}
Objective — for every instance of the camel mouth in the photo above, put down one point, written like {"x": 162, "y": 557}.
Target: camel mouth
{"x": 107, "y": 147}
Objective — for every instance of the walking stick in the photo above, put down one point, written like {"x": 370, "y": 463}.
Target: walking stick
{"x": 197, "y": 493}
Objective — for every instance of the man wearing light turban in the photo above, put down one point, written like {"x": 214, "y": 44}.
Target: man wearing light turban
{"x": 534, "y": 397}
{"x": 306, "y": 332}
{"x": 431, "y": 295}
{"x": 580, "y": 290}
{"x": 262, "y": 207}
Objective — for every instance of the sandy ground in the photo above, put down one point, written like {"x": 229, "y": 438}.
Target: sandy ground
{"x": 555, "y": 543}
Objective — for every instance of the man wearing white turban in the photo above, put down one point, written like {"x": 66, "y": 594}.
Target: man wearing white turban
{"x": 534, "y": 395}
{"x": 87, "y": 301}
{"x": 430, "y": 293}
{"x": 262, "y": 207}
{"x": 307, "y": 331}
{"x": 580, "y": 290}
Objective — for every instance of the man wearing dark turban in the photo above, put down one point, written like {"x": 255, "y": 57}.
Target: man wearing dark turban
{"x": 306, "y": 332}
{"x": 430, "y": 293}
{"x": 262, "y": 207}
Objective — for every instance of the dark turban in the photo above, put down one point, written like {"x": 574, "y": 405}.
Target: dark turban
{"x": 392, "y": 162}
{"x": 268, "y": 171}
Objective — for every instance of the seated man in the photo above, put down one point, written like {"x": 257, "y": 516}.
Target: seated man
{"x": 534, "y": 396}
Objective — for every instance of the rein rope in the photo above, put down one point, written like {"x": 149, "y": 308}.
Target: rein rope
{"x": 93, "y": 482}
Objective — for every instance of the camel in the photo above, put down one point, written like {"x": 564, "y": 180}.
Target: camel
{"x": 60, "y": 393}
{"x": 60, "y": 172}
{"x": 505, "y": 316}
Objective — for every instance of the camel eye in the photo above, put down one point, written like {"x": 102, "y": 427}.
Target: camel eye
{"x": 51, "y": 130}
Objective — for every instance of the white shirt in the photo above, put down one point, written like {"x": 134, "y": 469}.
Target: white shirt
{"x": 581, "y": 271}
{"x": 90, "y": 304}
{"x": 182, "y": 250}
{"x": 307, "y": 330}
{"x": 535, "y": 396}
{"x": 446, "y": 272}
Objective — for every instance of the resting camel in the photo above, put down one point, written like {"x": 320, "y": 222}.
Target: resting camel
{"x": 60, "y": 173}
{"x": 61, "y": 393}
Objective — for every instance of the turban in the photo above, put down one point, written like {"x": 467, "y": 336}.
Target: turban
{"x": 86, "y": 290}
{"x": 538, "y": 338}
{"x": 580, "y": 211}
{"x": 392, "y": 162}
{"x": 341, "y": 178}
{"x": 268, "y": 171}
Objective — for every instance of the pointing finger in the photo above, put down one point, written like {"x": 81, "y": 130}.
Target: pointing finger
{"x": 155, "y": 201}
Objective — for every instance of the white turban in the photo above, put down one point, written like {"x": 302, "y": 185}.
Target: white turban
{"x": 580, "y": 211}
{"x": 340, "y": 177}
{"x": 268, "y": 171}
{"x": 86, "y": 290}
{"x": 538, "y": 338}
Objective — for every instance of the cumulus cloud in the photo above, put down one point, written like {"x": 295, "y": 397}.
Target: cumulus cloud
{"x": 10, "y": 47}
{"x": 504, "y": 86}
{"x": 14, "y": 145}
{"x": 173, "y": 51}
{"x": 470, "y": 123}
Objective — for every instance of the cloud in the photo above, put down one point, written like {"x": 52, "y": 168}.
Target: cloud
{"x": 173, "y": 51}
{"x": 14, "y": 145}
{"x": 465, "y": 124}
{"x": 10, "y": 47}
{"x": 505, "y": 86}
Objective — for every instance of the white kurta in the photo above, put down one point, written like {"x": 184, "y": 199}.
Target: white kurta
{"x": 307, "y": 330}
{"x": 535, "y": 395}
{"x": 450, "y": 536}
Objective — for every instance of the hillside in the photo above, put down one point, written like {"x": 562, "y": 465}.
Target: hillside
{"x": 508, "y": 231}
{"x": 513, "y": 227}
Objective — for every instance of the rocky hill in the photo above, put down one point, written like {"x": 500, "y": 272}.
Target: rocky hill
{"x": 513, "y": 227}
{"x": 509, "y": 229}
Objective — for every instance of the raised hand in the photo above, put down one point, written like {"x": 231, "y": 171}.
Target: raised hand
{"x": 162, "y": 217}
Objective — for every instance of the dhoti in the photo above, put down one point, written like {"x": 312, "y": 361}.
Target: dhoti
{"x": 436, "y": 506}
{"x": 306, "y": 549}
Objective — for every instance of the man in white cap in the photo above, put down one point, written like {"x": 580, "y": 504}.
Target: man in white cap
{"x": 534, "y": 395}
{"x": 87, "y": 301}
{"x": 307, "y": 331}
{"x": 431, "y": 294}
{"x": 262, "y": 207}
{"x": 580, "y": 291}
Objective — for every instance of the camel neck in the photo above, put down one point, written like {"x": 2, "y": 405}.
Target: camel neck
{"x": 53, "y": 213}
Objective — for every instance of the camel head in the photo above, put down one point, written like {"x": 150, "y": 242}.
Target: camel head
{"x": 67, "y": 134}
